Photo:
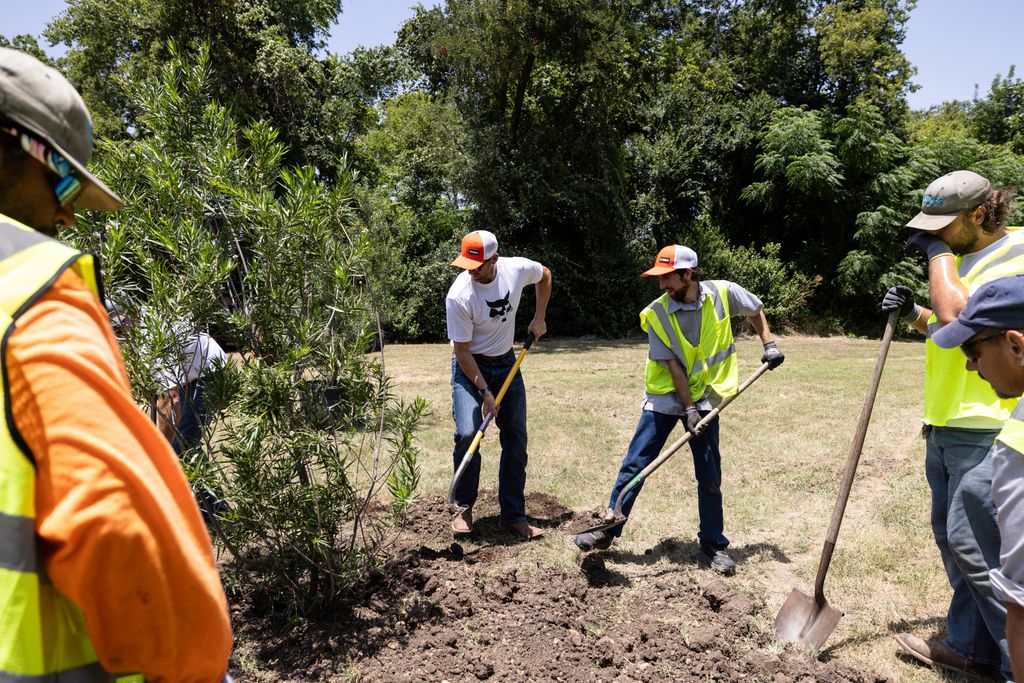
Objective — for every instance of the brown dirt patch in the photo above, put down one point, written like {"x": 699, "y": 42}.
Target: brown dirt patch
{"x": 441, "y": 611}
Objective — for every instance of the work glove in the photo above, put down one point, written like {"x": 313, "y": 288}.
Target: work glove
{"x": 901, "y": 297}
{"x": 691, "y": 420}
{"x": 772, "y": 356}
{"x": 928, "y": 244}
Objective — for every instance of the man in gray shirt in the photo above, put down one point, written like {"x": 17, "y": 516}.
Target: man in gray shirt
{"x": 691, "y": 368}
{"x": 990, "y": 332}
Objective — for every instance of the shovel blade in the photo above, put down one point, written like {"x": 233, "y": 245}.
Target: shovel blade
{"x": 804, "y": 621}
{"x": 610, "y": 524}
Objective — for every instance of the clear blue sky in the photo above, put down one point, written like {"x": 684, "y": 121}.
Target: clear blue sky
{"x": 954, "y": 44}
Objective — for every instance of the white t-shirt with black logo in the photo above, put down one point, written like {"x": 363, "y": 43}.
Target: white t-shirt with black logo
{"x": 485, "y": 315}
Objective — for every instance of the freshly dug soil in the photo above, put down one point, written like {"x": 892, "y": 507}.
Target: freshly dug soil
{"x": 440, "y": 611}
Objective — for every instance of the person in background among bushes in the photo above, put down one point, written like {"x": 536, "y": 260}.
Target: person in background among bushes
{"x": 962, "y": 231}
{"x": 106, "y": 565}
{"x": 481, "y": 309}
{"x": 990, "y": 332}
{"x": 691, "y": 367}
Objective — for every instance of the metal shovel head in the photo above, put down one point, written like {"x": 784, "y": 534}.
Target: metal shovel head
{"x": 805, "y": 622}
{"x": 610, "y": 524}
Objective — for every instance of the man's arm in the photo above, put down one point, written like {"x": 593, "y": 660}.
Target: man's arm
{"x": 947, "y": 292}
{"x": 471, "y": 370}
{"x": 543, "y": 291}
{"x": 121, "y": 533}
{"x": 682, "y": 384}
{"x": 760, "y": 325}
{"x": 771, "y": 355}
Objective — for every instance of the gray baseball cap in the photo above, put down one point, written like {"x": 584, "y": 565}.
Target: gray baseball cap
{"x": 41, "y": 100}
{"x": 946, "y": 197}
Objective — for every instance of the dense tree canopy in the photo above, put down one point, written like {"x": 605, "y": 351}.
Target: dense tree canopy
{"x": 773, "y": 135}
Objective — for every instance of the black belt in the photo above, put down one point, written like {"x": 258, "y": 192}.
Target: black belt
{"x": 491, "y": 359}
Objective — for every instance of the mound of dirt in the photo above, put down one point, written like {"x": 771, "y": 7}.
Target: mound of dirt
{"x": 444, "y": 612}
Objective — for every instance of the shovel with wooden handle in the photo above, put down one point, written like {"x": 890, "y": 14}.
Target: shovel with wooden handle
{"x": 619, "y": 518}
{"x": 809, "y": 620}
{"x": 471, "y": 451}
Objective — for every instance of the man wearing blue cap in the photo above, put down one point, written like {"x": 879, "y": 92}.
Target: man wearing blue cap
{"x": 962, "y": 231}
{"x": 990, "y": 332}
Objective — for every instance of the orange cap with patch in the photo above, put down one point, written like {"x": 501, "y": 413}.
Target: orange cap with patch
{"x": 477, "y": 247}
{"x": 672, "y": 257}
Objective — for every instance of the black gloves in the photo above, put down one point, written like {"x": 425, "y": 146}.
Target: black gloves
{"x": 690, "y": 421}
{"x": 772, "y": 356}
{"x": 901, "y": 297}
{"x": 928, "y": 244}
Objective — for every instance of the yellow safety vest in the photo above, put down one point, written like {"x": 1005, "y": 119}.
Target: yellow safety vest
{"x": 950, "y": 391}
{"x": 1012, "y": 434}
{"x": 43, "y": 635}
{"x": 712, "y": 362}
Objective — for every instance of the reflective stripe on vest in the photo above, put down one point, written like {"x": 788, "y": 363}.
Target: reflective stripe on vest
{"x": 711, "y": 363}
{"x": 951, "y": 392}
{"x": 43, "y": 635}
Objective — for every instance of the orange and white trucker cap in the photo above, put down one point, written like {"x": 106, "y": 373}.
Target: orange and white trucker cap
{"x": 672, "y": 257}
{"x": 477, "y": 247}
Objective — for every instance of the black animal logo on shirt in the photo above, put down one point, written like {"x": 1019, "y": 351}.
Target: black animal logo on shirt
{"x": 500, "y": 308}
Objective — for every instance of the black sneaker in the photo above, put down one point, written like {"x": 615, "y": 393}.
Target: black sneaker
{"x": 593, "y": 540}
{"x": 717, "y": 559}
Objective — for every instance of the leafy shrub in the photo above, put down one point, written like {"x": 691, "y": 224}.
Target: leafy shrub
{"x": 218, "y": 236}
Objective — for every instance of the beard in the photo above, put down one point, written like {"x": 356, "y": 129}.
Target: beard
{"x": 966, "y": 239}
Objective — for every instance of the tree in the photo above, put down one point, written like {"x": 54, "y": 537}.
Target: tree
{"x": 264, "y": 58}
{"x": 999, "y": 118}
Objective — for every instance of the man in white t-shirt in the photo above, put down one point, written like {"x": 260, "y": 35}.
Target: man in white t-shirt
{"x": 481, "y": 311}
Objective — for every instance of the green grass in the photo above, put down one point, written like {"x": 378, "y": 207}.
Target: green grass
{"x": 784, "y": 446}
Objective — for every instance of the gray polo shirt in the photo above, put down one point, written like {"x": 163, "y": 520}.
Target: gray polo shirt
{"x": 1008, "y": 495}
{"x": 741, "y": 303}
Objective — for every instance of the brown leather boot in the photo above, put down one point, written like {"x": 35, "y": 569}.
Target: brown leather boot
{"x": 935, "y": 653}
{"x": 522, "y": 529}
{"x": 462, "y": 522}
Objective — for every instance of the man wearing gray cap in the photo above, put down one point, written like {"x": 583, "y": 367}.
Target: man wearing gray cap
{"x": 962, "y": 231}
{"x": 105, "y": 565}
{"x": 990, "y": 332}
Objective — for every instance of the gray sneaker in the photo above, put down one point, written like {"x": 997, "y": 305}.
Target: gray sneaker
{"x": 593, "y": 540}
{"x": 717, "y": 559}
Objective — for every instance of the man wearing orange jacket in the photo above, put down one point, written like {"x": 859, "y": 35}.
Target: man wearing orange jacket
{"x": 106, "y": 569}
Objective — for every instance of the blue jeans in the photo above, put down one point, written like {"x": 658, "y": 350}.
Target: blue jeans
{"x": 958, "y": 465}
{"x": 189, "y": 430}
{"x": 511, "y": 421}
{"x": 651, "y": 435}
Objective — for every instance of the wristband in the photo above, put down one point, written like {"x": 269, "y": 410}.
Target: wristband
{"x": 911, "y": 317}
{"x": 484, "y": 390}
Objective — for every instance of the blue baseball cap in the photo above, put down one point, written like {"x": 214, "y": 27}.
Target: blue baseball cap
{"x": 998, "y": 304}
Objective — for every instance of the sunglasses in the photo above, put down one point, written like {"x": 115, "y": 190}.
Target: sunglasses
{"x": 69, "y": 181}
{"x": 970, "y": 348}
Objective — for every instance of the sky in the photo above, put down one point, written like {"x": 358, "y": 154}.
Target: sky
{"x": 953, "y": 49}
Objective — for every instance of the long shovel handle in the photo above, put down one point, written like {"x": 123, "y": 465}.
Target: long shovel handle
{"x": 851, "y": 462}
{"x": 486, "y": 423}
{"x": 670, "y": 451}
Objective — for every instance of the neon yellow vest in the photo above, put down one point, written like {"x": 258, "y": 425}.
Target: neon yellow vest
{"x": 43, "y": 635}
{"x": 951, "y": 393}
{"x": 1012, "y": 434}
{"x": 711, "y": 363}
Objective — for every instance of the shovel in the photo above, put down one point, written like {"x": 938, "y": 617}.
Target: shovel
{"x": 804, "y": 619}
{"x": 620, "y": 518}
{"x": 486, "y": 423}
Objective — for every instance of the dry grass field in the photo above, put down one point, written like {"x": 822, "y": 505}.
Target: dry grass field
{"x": 784, "y": 444}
